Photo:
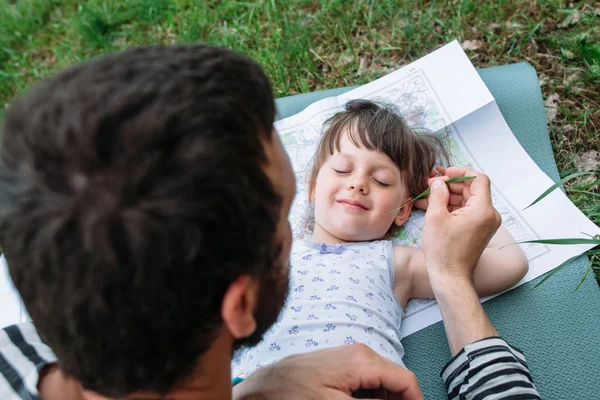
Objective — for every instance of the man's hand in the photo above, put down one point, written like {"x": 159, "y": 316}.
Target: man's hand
{"x": 333, "y": 374}
{"x": 453, "y": 242}
{"x": 459, "y": 223}
{"x": 438, "y": 171}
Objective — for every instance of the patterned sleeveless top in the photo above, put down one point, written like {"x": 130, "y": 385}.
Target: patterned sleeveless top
{"x": 339, "y": 294}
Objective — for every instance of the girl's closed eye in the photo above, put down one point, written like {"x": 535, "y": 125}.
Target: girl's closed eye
{"x": 381, "y": 182}
{"x": 341, "y": 170}
{"x": 383, "y": 179}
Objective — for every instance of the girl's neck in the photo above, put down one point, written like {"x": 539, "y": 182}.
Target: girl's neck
{"x": 320, "y": 235}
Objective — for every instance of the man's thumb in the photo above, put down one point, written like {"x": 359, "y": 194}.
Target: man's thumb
{"x": 438, "y": 198}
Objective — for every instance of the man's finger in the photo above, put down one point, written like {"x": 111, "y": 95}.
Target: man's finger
{"x": 458, "y": 187}
{"x": 337, "y": 395}
{"x": 421, "y": 204}
{"x": 456, "y": 172}
{"x": 481, "y": 183}
{"x": 410, "y": 391}
{"x": 438, "y": 198}
{"x": 456, "y": 199}
{"x": 400, "y": 383}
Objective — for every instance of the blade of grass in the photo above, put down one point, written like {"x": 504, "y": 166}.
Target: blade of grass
{"x": 425, "y": 193}
{"x": 555, "y": 270}
{"x": 593, "y": 252}
{"x": 558, "y": 184}
{"x": 587, "y": 270}
{"x": 564, "y": 264}
{"x": 567, "y": 241}
{"x": 584, "y": 192}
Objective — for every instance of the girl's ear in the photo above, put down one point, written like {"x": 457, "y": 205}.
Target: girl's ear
{"x": 311, "y": 191}
{"x": 403, "y": 213}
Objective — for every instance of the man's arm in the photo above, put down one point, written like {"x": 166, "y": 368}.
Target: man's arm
{"x": 487, "y": 368}
{"x": 501, "y": 265}
{"x": 465, "y": 321}
{"x": 483, "y": 364}
{"x": 453, "y": 242}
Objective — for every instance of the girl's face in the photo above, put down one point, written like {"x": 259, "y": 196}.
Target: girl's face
{"x": 354, "y": 194}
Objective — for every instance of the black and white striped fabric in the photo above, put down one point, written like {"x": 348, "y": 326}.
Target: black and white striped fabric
{"x": 22, "y": 357}
{"x": 484, "y": 370}
{"x": 489, "y": 369}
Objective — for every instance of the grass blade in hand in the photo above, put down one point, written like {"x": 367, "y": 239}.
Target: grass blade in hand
{"x": 425, "y": 193}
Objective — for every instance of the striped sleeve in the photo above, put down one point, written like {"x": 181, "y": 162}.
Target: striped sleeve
{"x": 22, "y": 356}
{"x": 489, "y": 369}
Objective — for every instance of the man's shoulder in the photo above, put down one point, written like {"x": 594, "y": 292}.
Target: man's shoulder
{"x": 22, "y": 356}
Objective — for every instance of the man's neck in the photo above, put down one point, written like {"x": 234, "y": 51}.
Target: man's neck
{"x": 212, "y": 381}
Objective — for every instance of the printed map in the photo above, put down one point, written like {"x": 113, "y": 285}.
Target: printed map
{"x": 421, "y": 109}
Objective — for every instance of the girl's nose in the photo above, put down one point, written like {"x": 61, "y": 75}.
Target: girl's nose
{"x": 358, "y": 184}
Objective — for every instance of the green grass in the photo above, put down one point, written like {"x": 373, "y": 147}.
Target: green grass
{"x": 306, "y": 45}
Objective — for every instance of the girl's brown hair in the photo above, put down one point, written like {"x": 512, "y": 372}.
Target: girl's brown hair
{"x": 379, "y": 126}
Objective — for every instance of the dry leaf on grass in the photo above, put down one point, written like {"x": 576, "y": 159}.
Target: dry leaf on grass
{"x": 571, "y": 19}
{"x": 551, "y": 106}
{"x": 588, "y": 161}
{"x": 119, "y": 42}
{"x": 571, "y": 78}
{"x": 568, "y": 54}
{"x": 493, "y": 27}
{"x": 346, "y": 59}
{"x": 542, "y": 80}
{"x": 472, "y": 44}
{"x": 363, "y": 64}
{"x": 568, "y": 128}
{"x": 515, "y": 25}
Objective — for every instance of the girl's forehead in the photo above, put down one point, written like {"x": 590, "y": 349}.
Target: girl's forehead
{"x": 356, "y": 151}
{"x": 350, "y": 135}
{"x": 348, "y": 143}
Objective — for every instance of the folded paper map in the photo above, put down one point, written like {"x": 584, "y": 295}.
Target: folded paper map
{"x": 442, "y": 92}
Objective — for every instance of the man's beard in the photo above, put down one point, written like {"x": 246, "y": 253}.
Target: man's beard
{"x": 274, "y": 288}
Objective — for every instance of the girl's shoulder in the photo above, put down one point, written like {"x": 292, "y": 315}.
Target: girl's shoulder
{"x": 302, "y": 246}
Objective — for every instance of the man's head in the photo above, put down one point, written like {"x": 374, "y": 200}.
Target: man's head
{"x": 143, "y": 205}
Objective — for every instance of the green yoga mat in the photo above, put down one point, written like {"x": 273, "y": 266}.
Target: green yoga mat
{"x": 556, "y": 327}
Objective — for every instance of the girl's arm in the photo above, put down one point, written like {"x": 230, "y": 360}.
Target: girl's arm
{"x": 497, "y": 270}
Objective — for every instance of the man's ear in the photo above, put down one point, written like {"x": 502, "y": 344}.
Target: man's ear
{"x": 238, "y": 306}
{"x": 403, "y": 213}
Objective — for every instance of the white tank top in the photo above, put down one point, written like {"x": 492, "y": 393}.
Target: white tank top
{"x": 339, "y": 294}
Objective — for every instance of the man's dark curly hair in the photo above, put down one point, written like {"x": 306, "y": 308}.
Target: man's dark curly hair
{"x": 132, "y": 193}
